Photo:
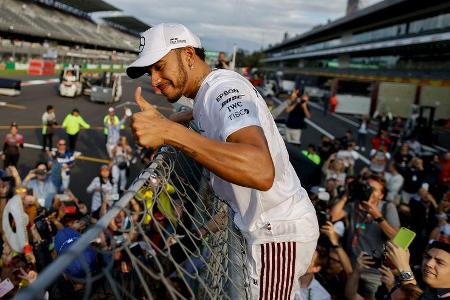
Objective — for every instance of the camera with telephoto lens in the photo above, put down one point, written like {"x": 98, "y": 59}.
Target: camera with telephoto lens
{"x": 43, "y": 225}
{"x": 359, "y": 190}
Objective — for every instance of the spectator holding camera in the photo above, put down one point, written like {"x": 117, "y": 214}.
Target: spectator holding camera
{"x": 121, "y": 155}
{"x": 101, "y": 188}
{"x": 44, "y": 182}
{"x": 371, "y": 222}
{"x": 298, "y": 111}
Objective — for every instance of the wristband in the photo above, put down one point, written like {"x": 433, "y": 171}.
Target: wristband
{"x": 335, "y": 246}
{"x": 379, "y": 219}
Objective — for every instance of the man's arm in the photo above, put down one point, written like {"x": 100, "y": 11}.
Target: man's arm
{"x": 306, "y": 110}
{"x": 337, "y": 211}
{"x": 291, "y": 106}
{"x": 389, "y": 229}
{"x": 83, "y": 123}
{"x": 244, "y": 158}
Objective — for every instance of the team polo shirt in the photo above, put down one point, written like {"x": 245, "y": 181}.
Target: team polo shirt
{"x": 225, "y": 103}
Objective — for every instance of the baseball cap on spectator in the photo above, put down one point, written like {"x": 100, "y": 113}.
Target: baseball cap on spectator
{"x": 111, "y": 109}
{"x": 157, "y": 41}
{"x": 321, "y": 193}
{"x": 64, "y": 239}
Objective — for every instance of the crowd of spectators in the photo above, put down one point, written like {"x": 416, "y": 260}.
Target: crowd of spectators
{"x": 361, "y": 208}
{"x": 41, "y": 217}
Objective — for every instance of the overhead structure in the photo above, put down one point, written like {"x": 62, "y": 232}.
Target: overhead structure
{"x": 128, "y": 23}
{"x": 89, "y": 6}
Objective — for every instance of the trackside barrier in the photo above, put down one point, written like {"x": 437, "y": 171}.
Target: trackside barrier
{"x": 148, "y": 244}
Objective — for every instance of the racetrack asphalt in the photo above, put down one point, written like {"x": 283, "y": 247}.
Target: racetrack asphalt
{"x": 91, "y": 142}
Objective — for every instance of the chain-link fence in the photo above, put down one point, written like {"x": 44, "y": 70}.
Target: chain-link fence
{"x": 168, "y": 237}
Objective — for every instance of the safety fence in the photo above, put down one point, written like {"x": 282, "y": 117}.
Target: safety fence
{"x": 167, "y": 237}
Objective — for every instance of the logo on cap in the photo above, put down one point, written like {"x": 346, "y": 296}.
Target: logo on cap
{"x": 175, "y": 41}
{"x": 141, "y": 44}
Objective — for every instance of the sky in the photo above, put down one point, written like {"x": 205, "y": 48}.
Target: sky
{"x": 248, "y": 24}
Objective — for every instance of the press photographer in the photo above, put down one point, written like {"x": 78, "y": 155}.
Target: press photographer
{"x": 371, "y": 221}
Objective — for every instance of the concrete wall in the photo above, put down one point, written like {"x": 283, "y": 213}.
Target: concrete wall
{"x": 439, "y": 97}
{"x": 396, "y": 98}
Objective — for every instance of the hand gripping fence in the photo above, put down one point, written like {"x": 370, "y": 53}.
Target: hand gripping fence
{"x": 149, "y": 244}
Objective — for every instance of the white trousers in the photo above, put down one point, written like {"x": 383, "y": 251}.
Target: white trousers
{"x": 293, "y": 136}
{"x": 275, "y": 268}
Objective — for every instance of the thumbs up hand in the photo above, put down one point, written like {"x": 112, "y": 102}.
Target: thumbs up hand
{"x": 149, "y": 126}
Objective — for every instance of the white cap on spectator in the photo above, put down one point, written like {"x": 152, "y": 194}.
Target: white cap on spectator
{"x": 324, "y": 196}
{"x": 425, "y": 186}
{"x": 157, "y": 41}
{"x": 111, "y": 109}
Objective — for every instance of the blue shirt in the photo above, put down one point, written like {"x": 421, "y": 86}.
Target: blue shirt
{"x": 48, "y": 188}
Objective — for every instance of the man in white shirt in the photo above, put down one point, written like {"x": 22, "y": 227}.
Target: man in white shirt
{"x": 240, "y": 145}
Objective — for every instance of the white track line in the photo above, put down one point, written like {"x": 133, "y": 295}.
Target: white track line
{"x": 39, "y": 82}
{"x": 324, "y": 132}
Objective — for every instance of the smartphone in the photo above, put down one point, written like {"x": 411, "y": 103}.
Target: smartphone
{"x": 404, "y": 238}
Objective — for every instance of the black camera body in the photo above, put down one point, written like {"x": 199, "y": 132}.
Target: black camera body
{"x": 45, "y": 228}
{"x": 322, "y": 217}
{"x": 359, "y": 190}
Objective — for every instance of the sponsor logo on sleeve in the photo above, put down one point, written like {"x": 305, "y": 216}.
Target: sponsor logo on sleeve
{"x": 226, "y": 93}
{"x": 239, "y": 113}
{"x": 225, "y": 102}
{"x": 234, "y": 106}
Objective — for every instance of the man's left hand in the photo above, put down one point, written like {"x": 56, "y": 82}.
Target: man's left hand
{"x": 372, "y": 209}
{"x": 149, "y": 126}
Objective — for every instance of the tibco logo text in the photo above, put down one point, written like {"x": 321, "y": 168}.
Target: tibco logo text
{"x": 237, "y": 114}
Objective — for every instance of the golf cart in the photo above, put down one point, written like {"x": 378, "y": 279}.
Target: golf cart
{"x": 70, "y": 82}
{"x": 108, "y": 89}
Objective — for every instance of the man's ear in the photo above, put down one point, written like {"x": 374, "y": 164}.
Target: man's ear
{"x": 189, "y": 55}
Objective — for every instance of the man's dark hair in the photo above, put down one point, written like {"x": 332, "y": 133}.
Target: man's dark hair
{"x": 439, "y": 245}
{"x": 378, "y": 179}
{"x": 49, "y": 107}
{"x": 75, "y": 110}
{"x": 41, "y": 163}
{"x": 200, "y": 52}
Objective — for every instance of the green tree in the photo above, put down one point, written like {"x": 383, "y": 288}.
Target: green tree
{"x": 247, "y": 59}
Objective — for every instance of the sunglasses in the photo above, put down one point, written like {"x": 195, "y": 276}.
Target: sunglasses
{"x": 61, "y": 144}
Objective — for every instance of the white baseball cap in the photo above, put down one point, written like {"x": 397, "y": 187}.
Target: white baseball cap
{"x": 157, "y": 42}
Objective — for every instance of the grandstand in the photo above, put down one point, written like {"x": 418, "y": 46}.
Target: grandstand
{"x": 28, "y": 29}
{"x": 393, "y": 54}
